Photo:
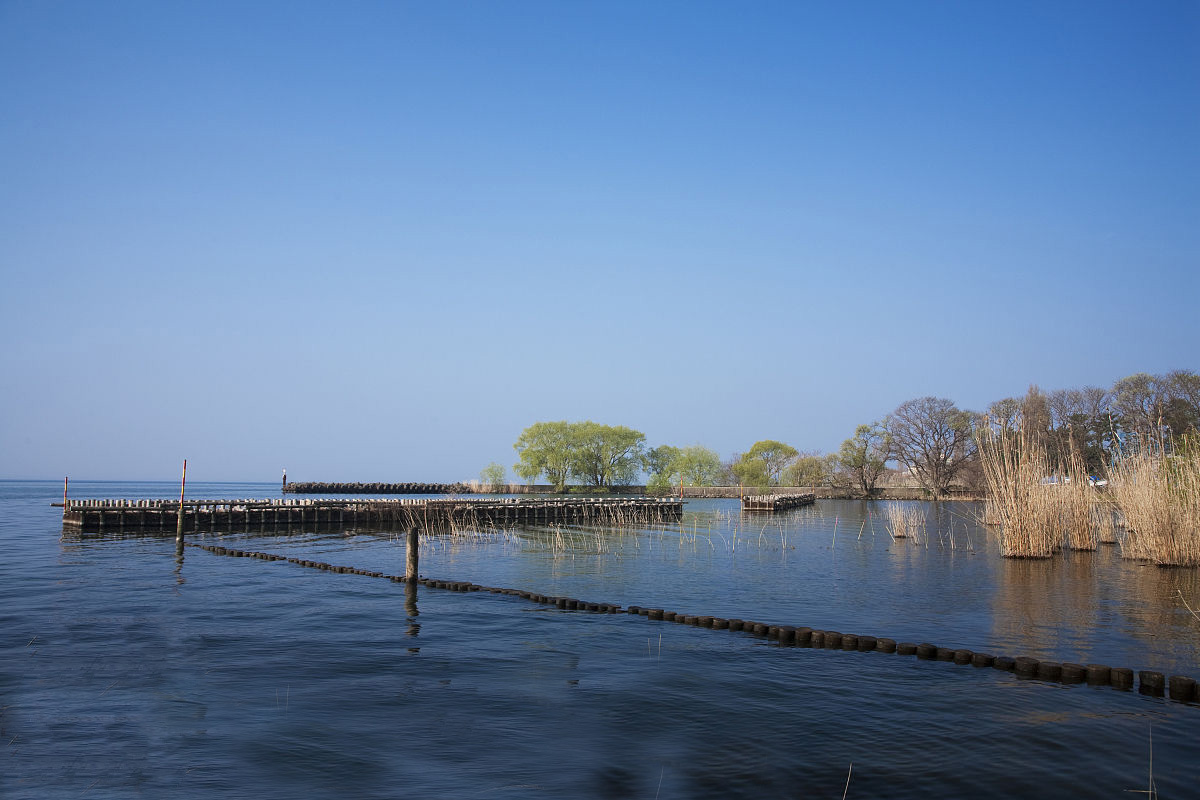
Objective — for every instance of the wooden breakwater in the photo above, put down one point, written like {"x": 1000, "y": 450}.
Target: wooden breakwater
{"x": 471, "y": 487}
{"x": 95, "y": 516}
{"x": 316, "y": 487}
{"x": 776, "y": 502}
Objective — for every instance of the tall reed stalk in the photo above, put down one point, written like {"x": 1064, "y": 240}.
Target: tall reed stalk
{"x": 1103, "y": 519}
{"x": 1026, "y": 510}
{"x": 905, "y": 521}
{"x": 1076, "y": 497}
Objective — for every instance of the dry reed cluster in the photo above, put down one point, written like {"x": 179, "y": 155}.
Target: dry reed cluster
{"x": 905, "y": 521}
{"x": 1158, "y": 497}
{"x": 1104, "y": 518}
{"x": 1151, "y": 506}
{"x": 1076, "y": 500}
{"x": 1037, "y": 509}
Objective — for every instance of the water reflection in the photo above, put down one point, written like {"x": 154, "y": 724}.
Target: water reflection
{"x": 97, "y": 638}
{"x": 1044, "y": 606}
{"x": 835, "y": 565}
{"x": 1165, "y": 594}
{"x": 410, "y": 601}
{"x": 830, "y": 565}
{"x": 410, "y": 609}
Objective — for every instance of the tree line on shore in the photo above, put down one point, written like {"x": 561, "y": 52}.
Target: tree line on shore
{"x": 929, "y": 438}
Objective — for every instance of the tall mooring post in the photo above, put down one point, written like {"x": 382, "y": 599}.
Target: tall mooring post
{"x": 410, "y": 557}
{"x": 179, "y": 520}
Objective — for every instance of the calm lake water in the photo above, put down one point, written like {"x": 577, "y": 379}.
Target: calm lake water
{"x": 124, "y": 673}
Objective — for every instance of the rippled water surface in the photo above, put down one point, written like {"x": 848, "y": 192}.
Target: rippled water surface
{"x": 125, "y": 672}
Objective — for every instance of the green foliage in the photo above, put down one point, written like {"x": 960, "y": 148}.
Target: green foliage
{"x": 545, "y": 448}
{"x": 810, "y": 469}
{"x": 751, "y": 473}
{"x": 599, "y": 455}
{"x": 493, "y": 477}
{"x": 864, "y": 455}
{"x": 764, "y": 463}
{"x": 605, "y": 455}
{"x": 668, "y": 466}
{"x": 697, "y": 465}
{"x": 660, "y": 460}
{"x": 660, "y": 485}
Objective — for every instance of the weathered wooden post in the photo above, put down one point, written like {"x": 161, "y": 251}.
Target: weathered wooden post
{"x": 410, "y": 557}
{"x": 179, "y": 519}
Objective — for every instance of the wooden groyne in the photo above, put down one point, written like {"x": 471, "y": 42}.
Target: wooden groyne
{"x": 776, "y": 502}
{"x": 315, "y": 487}
{"x": 95, "y": 516}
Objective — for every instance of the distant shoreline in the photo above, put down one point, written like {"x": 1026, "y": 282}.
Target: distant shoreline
{"x": 474, "y": 487}
{"x": 688, "y": 492}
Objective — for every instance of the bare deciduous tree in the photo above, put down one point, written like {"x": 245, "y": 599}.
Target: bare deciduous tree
{"x": 1150, "y": 408}
{"x": 934, "y": 439}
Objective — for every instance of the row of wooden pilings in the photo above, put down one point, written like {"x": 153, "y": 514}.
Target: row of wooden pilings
{"x": 777, "y": 502}
{"x": 317, "y": 487}
{"x": 392, "y": 514}
{"x": 1149, "y": 682}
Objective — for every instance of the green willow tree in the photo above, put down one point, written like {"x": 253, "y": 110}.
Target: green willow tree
{"x": 764, "y": 463}
{"x": 545, "y": 448}
{"x": 863, "y": 457}
{"x": 660, "y": 460}
{"x": 597, "y": 455}
{"x": 750, "y": 472}
{"x": 492, "y": 477}
{"x": 660, "y": 469}
{"x": 698, "y": 466}
{"x": 692, "y": 466}
{"x": 605, "y": 455}
{"x": 810, "y": 469}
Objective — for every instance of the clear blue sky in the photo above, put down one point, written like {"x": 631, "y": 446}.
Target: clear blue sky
{"x": 373, "y": 241}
